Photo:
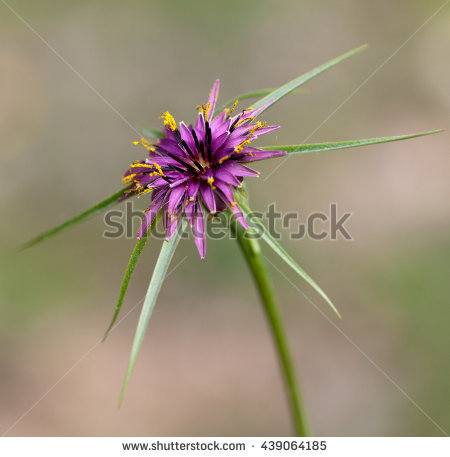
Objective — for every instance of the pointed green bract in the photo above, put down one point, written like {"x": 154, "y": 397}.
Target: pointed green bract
{"x": 287, "y": 88}
{"x": 317, "y": 147}
{"x": 108, "y": 202}
{"x": 254, "y": 94}
{"x": 129, "y": 271}
{"x": 159, "y": 272}
{"x": 153, "y": 134}
{"x": 268, "y": 238}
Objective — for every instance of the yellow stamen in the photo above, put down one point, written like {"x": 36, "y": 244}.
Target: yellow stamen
{"x": 205, "y": 109}
{"x": 144, "y": 143}
{"x": 223, "y": 159}
{"x": 169, "y": 121}
{"x": 160, "y": 172}
{"x": 145, "y": 191}
{"x": 244, "y": 120}
{"x": 241, "y": 146}
{"x": 129, "y": 178}
{"x": 210, "y": 180}
{"x": 139, "y": 165}
{"x": 234, "y": 106}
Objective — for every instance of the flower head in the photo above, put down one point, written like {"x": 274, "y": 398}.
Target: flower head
{"x": 195, "y": 167}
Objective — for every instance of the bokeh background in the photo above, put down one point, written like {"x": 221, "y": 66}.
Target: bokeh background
{"x": 207, "y": 366}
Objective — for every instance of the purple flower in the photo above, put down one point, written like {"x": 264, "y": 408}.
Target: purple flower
{"x": 195, "y": 167}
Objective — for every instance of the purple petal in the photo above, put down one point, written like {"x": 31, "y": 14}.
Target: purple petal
{"x": 239, "y": 170}
{"x": 255, "y": 112}
{"x": 239, "y": 215}
{"x": 225, "y": 189}
{"x": 219, "y": 121}
{"x": 150, "y": 215}
{"x": 250, "y": 154}
{"x": 172, "y": 225}
{"x": 218, "y": 141}
{"x": 208, "y": 196}
{"x": 190, "y": 211}
{"x": 186, "y": 136}
{"x": 200, "y": 127}
{"x": 199, "y": 232}
{"x": 171, "y": 146}
{"x": 223, "y": 174}
{"x": 264, "y": 130}
{"x": 175, "y": 197}
{"x": 192, "y": 189}
{"x": 213, "y": 98}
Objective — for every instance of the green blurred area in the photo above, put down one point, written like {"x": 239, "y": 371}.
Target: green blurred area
{"x": 208, "y": 366}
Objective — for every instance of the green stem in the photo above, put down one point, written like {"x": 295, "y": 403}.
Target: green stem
{"x": 252, "y": 253}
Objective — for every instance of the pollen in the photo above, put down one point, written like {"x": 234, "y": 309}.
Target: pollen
{"x": 145, "y": 191}
{"x": 144, "y": 143}
{"x": 129, "y": 178}
{"x": 210, "y": 180}
{"x": 139, "y": 165}
{"x": 169, "y": 121}
{"x": 159, "y": 170}
{"x": 233, "y": 107}
{"x": 205, "y": 109}
{"x": 241, "y": 146}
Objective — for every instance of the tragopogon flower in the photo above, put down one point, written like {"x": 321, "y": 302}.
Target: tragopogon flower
{"x": 201, "y": 165}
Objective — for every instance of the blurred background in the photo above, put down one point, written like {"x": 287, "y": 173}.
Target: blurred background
{"x": 208, "y": 366}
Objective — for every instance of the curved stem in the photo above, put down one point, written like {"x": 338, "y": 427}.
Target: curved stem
{"x": 252, "y": 253}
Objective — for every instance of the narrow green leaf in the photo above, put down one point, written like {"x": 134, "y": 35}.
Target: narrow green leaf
{"x": 159, "y": 272}
{"x": 284, "y": 90}
{"x": 108, "y": 202}
{"x": 254, "y": 94}
{"x": 153, "y": 134}
{"x": 129, "y": 271}
{"x": 268, "y": 238}
{"x": 317, "y": 147}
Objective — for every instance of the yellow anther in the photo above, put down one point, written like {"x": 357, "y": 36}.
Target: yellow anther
{"x": 223, "y": 159}
{"x": 210, "y": 180}
{"x": 145, "y": 191}
{"x": 169, "y": 121}
{"x": 144, "y": 143}
{"x": 128, "y": 178}
{"x": 139, "y": 165}
{"x": 159, "y": 169}
{"x": 233, "y": 107}
{"x": 241, "y": 146}
{"x": 244, "y": 120}
{"x": 205, "y": 109}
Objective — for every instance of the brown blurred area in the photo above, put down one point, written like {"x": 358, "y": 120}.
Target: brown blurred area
{"x": 208, "y": 366}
